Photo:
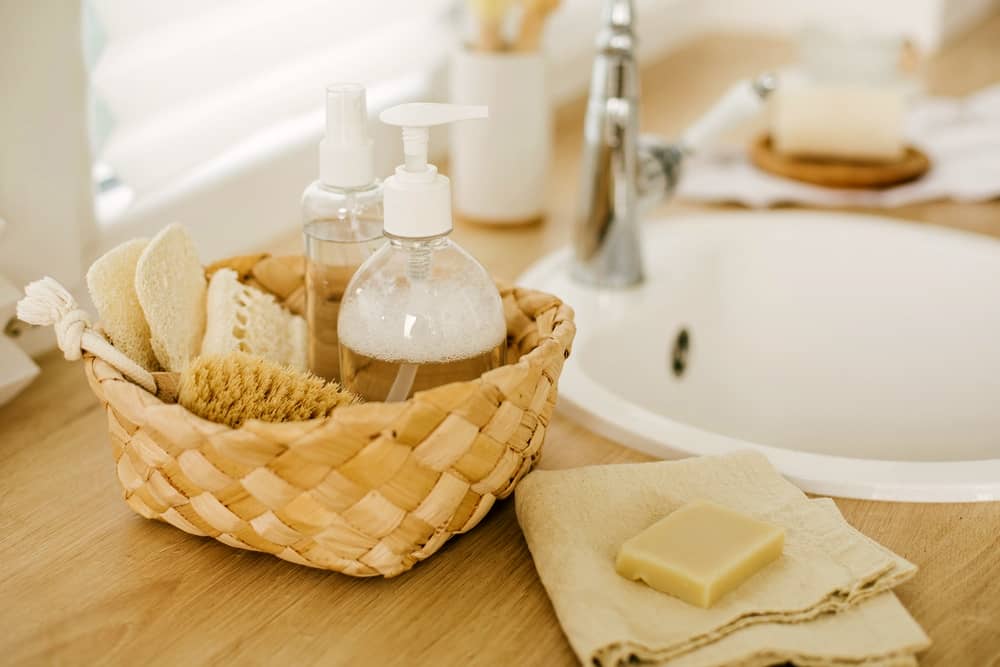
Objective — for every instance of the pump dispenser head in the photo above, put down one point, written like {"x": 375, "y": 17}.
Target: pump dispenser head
{"x": 417, "y": 198}
{"x": 346, "y": 153}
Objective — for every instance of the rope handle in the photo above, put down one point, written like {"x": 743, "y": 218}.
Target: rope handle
{"x": 47, "y": 303}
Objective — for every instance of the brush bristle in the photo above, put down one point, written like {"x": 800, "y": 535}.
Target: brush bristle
{"x": 233, "y": 388}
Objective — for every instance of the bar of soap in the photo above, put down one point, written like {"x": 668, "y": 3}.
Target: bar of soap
{"x": 700, "y": 552}
{"x": 839, "y": 122}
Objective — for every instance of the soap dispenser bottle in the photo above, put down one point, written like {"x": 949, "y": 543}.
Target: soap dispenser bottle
{"x": 342, "y": 220}
{"x": 421, "y": 312}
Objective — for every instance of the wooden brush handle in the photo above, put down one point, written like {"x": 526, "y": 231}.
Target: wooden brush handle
{"x": 533, "y": 24}
{"x": 489, "y": 16}
{"x": 490, "y": 35}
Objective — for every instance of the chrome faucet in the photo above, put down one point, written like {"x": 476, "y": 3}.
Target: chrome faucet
{"x": 623, "y": 173}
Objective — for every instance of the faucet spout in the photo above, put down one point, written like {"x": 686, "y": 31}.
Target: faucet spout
{"x": 607, "y": 241}
{"x": 622, "y": 173}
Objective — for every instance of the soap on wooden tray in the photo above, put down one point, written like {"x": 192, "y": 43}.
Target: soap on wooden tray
{"x": 839, "y": 122}
{"x": 700, "y": 552}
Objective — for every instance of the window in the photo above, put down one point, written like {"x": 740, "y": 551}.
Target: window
{"x": 209, "y": 112}
{"x": 185, "y": 92}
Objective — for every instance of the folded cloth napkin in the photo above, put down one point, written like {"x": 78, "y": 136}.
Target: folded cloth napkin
{"x": 575, "y": 520}
{"x": 960, "y": 135}
{"x": 876, "y": 633}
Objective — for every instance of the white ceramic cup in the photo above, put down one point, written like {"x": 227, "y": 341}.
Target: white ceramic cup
{"x": 499, "y": 167}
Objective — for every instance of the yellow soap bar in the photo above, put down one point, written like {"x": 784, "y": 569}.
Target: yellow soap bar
{"x": 700, "y": 552}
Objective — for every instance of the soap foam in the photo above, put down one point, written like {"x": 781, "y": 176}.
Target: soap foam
{"x": 461, "y": 317}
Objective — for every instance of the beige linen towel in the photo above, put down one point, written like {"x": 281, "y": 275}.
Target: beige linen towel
{"x": 875, "y": 633}
{"x": 575, "y": 520}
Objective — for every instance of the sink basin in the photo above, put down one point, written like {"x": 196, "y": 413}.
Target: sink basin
{"x": 860, "y": 354}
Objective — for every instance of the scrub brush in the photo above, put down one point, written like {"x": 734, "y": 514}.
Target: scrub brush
{"x": 236, "y": 387}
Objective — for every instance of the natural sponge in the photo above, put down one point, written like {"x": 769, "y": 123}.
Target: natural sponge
{"x": 170, "y": 284}
{"x": 241, "y": 317}
{"x": 233, "y": 388}
{"x": 111, "y": 283}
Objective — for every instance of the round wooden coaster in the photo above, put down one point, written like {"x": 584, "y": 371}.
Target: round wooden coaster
{"x": 839, "y": 174}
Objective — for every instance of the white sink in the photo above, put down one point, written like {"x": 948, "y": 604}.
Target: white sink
{"x": 860, "y": 354}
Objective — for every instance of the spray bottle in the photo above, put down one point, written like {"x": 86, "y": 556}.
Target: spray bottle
{"x": 342, "y": 218}
{"x": 421, "y": 312}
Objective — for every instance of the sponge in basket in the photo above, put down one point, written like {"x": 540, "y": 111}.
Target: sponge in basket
{"x": 170, "y": 284}
{"x": 241, "y": 317}
{"x": 111, "y": 283}
{"x": 233, "y": 388}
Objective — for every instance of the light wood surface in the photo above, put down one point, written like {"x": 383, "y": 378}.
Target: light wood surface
{"x": 84, "y": 580}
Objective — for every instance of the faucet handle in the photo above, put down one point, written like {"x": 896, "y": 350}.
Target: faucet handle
{"x": 739, "y": 103}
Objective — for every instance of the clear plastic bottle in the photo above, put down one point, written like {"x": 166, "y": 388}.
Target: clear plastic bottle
{"x": 342, "y": 220}
{"x": 421, "y": 312}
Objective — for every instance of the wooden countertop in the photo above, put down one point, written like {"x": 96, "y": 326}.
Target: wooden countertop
{"x": 85, "y": 580}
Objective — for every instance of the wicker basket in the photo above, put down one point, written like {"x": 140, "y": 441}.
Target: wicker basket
{"x": 370, "y": 490}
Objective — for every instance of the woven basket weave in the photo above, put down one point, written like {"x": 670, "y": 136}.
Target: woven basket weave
{"x": 368, "y": 491}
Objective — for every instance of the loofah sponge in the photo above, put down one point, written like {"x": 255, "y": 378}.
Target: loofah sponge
{"x": 111, "y": 282}
{"x": 170, "y": 284}
{"x": 241, "y": 317}
{"x": 236, "y": 387}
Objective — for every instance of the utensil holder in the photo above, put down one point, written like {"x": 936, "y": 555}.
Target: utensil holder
{"x": 500, "y": 168}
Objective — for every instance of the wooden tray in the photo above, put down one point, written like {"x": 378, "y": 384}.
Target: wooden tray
{"x": 836, "y": 173}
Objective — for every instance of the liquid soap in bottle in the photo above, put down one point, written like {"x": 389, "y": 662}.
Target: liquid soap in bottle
{"x": 421, "y": 312}
{"x": 342, "y": 220}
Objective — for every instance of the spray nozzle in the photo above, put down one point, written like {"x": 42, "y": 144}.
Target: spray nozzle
{"x": 346, "y": 154}
{"x": 346, "y": 114}
{"x": 417, "y": 118}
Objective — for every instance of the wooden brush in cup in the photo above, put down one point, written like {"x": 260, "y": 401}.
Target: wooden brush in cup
{"x": 489, "y": 16}
{"x": 534, "y": 13}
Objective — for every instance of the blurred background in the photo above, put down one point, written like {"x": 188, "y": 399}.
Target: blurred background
{"x": 120, "y": 116}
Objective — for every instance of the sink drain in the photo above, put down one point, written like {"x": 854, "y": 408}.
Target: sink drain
{"x": 680, "y": 351}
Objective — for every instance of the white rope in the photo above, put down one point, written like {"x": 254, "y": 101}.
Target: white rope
{"x": 47, "y": 303}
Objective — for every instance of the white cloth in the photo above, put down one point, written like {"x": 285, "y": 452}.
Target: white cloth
{"x": 960, "y": 135}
